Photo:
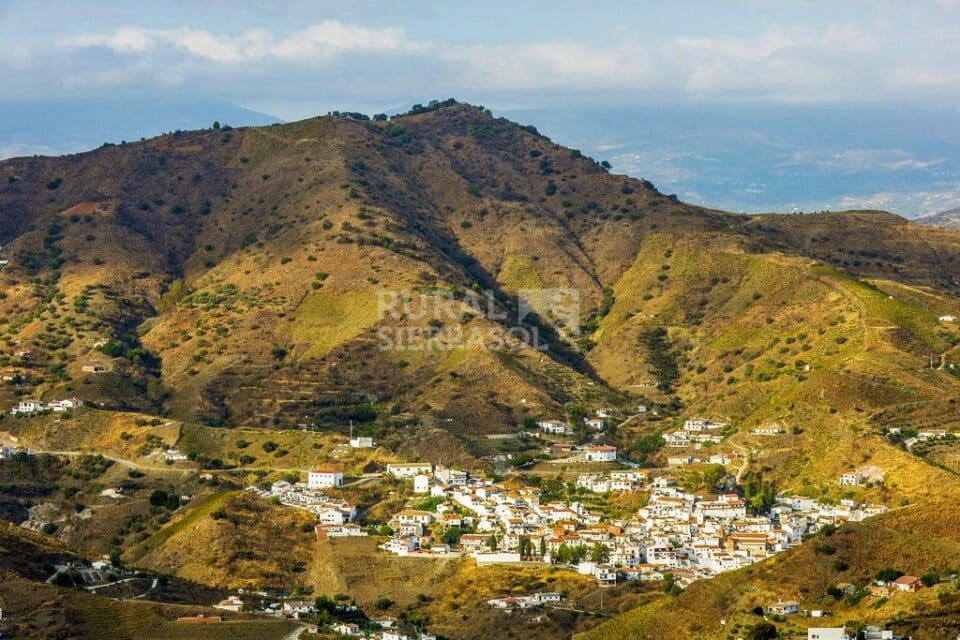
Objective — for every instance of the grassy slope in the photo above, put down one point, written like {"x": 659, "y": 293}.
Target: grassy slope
{"x": 44, "y": 611}
{"x": 255, "y": 544}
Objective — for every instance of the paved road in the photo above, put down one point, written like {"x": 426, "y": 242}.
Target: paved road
{"x": 293, "y": 635}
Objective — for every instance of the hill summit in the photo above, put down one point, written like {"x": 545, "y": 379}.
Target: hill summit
{"x": 449, "y": 267}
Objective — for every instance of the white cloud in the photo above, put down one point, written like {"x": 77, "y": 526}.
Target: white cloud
{"x": 123, "y": 40}
{"x": 836, "y": 38}
{"x": 780, "y": 62}
{"x": 784, "y": 63}
{"x": 322, "y": 40}
{"x": 554, "y": 64}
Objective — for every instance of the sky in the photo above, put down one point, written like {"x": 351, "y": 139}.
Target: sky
{"x": 298, "y": 58}
{"x": 706, "y": 97}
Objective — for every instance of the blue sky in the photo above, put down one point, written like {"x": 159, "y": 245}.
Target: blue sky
{"x": 294, "y": 59}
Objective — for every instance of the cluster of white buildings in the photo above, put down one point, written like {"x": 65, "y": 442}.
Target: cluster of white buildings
{"x": 525, "y": 602}
{"x": 690, "y": 536}
{"x": 695, "y": 433}
{"x": 840, "y": 633}
{"x": 614, "y": 481}
{"x": 27, "y": 407}
{"x": 388, "y": 631}
{"x": 329, "y": 511}
{"x": 560, "y": 428}
{"x": 555, "y": 427}
{"x": 717, "y": 457}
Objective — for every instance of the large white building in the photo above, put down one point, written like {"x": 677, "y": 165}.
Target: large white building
{"x": 600, "y": 453}
{"x": 324, "y": 479}
{"x": 409, "y": 469}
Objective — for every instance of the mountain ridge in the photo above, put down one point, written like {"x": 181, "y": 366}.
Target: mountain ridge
{"x": 301, "y": 224}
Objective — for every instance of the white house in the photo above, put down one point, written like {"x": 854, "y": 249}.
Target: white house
{"x": 421, "y": 484}
{"x": 297, "y": 608}
{"x": 414, "y": 516}
{"x": 699, "y": 424}
{"x": 323, "y": 479}
{"x": 600, "y": 453}
{"x": 408, "y": 469}
{"x": 362, "y": 442}
{"x": 948, "y": 318}
{"x": 854, "y": 479}
{"x": 606, "y": 575}
{"x": 28, "y": 406}
{"x": 784, "y": 608}
{"x": 555, "y": 427}
{"x": 66, "y": 404}
{"x": 596, "y": 424}
{"x": 767, "y": 431}
{"x": 346, "y": 629}
{"x": 233, "y": 603}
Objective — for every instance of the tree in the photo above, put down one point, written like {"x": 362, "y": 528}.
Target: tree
{"x": 216, "y": 125}
{"x": 115, "y": 558}
{"x": 763, "y": 631}
{"x": 161, "y": 498}
{"x": 714, "y": 475}
{"x": 599, "y": 553}
{"x": 576, "y": 416}
{"x": 931, "y": 577}
{"x": 524, "y": 546}
{"x": 888, "y": 574}
{"x": 670, "y": 585}
{"x": 492, "y": 543}
{"x": 760, "y": 495}
{"x": 452, "y": 535}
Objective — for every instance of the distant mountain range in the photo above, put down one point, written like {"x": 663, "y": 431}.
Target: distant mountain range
{"x": 946, "y": 219}
{"x": 54, "y": 128}
{"x": 761, "y": 158}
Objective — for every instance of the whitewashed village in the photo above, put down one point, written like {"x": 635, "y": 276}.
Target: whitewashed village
{"x": 674, "y": 539}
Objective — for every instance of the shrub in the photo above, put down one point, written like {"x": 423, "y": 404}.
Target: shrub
{"x": 248, "y": 239}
